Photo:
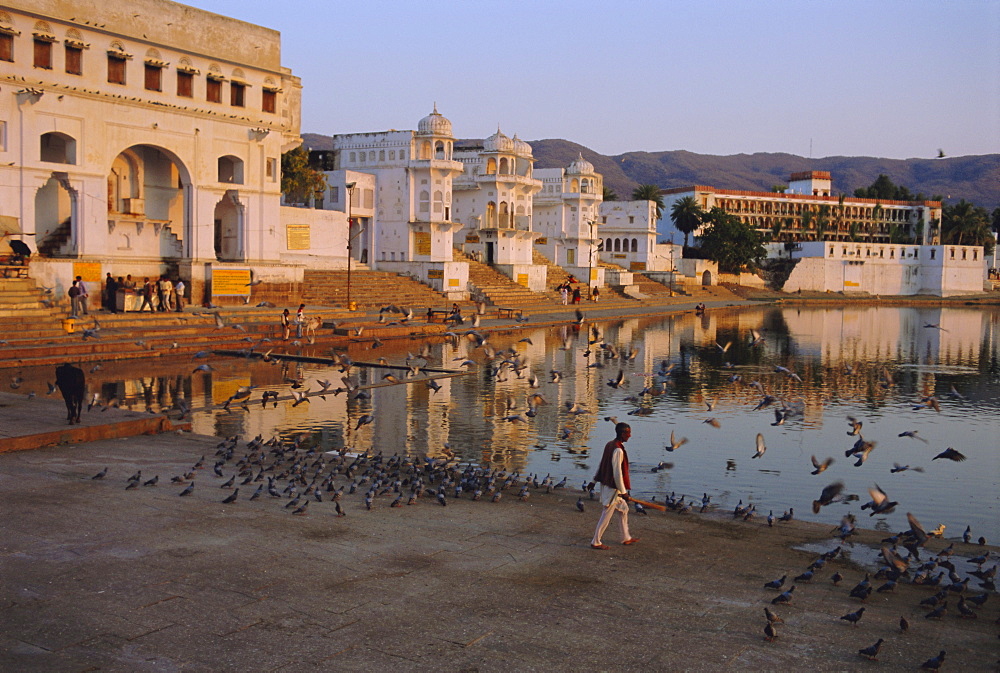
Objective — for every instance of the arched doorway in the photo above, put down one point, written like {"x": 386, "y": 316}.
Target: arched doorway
{"x": 55, "y": 217}
{"x": 228, "y": 230}
{"x": 706, "y": 278}
{"x": 149, "y": 210}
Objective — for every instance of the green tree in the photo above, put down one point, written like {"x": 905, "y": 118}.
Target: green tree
{"x": 966, "y": 224}
{"x": 996, "y": 219}
{"x": 822, "y": 221}
{"x": 649, "y": 193}
{"x": 609, "y": 194}
{"x": 686, "y": 215}
{"x": 735, "y": 246}
{"x": 300, "y": 182}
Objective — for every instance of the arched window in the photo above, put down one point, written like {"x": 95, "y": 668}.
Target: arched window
{"x": 425, "y": 198}
{"x": 585, "y": 186}
{"x": 425, "y": 150}
{"x": 438, "y": 203}
{"x": 491, "y": 166}
{"x": 439, "y": 150}
{"x": 574, "y": 186}
{"x": 231, "y": 170}
{"x": 618, "y": 245}
{"x": 504, "y": 166}
{"x": 607, "y": 245}
{"x": 58, "y": 148}
{"x": 491, "y": 214}
{"x": 504, "y": 215}
{"x": 635, "y": 245}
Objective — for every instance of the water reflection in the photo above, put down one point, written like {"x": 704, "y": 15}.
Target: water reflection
{"x": 874, "y": 363}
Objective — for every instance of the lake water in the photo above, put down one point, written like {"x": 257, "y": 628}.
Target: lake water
{"x": 872, "y": 363}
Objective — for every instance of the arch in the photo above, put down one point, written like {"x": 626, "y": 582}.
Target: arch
{"x": 438, "y": 202}
{"x": 491, "y": 166}
{"x": 42, "y": 27}
{"x": 228, "y": 229}
{"x": 153, "y": 54}
{"x": 618, "y": 245}
{"x": 55, "y": 215}
{"x": 425, "y": 150}
{"x": 491, "y": 214}
{"x": 574, "y": 185}
{"x": 608, "y": 245}
{"x": 230, "y": 170}
{"x": 585, "y": 186}
{"x": 439, "y": 150}
{"x": 635, "y": 245}
{"x": 504, "y": 215}
{"x": 425, "y": 201}
{"x": 150, "y": 184}
{"x": 706, "y": 278}
{"x": 57, "y": 148}
{"x": 504, "y": 166}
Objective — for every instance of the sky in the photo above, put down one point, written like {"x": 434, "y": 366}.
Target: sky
{"x": 885, "y": 78}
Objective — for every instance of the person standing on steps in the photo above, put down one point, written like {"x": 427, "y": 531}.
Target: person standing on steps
{"x": 286, "y": 324}
{"x": 84, "y": 295}
{"x": 74, "y": 299}
{"x": 612, "y": 474}
{"x": 179, "y": 295}
{"x": 564, "y": 293}
{"x": 147, "y": 295}
{"x": 300, "y": 320}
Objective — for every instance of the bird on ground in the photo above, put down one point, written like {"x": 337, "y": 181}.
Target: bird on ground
{"x": 787, "y": 516}
{"x": 950, "y": 454}
{"x": 784, "y": 597}
{"x": 579, "y": 504}
{"x": 770, "y": 633}
{"x": 854, "y": 617}
{"x": 828, "y": 496}
{"x": 232, "y": 497}
{"x": 301, "y": 511}
{"x": 776, "y": 584}
{"x": 820, "y": 467}
{"x": 836, "y": 578}
{"x": 152, "y": 482}
{"x": 100, "y": 475}
{"x": 871, "y": 652}
{"x": 761, "y": 447}
{"x": 934, "y": 663}
{"x": 189, "y": 490}
{"x": 904, "y": 625}
{"x": 938, "y": 612}
{"x": 772, "y": 617}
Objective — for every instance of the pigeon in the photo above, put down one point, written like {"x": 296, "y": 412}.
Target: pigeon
{"x": 761, "y": 447}
{"x": 934, "y": 663}
{"x": 579, "y": 504}
{"x": 232, "y": 497}
{"x": 871, "y": 652}
{"x": 821, "y": 467}
{"x": 784, "y": 597}
{"x": 771, "y": 617}
{"x": 189, "y": 490}
{"x": 950, "y": 454}
{"x": 904, "y": 625}
{"x": 675, "y": 443}
{"x": 152, "y": 482}
{"x": 770, "y": 633}
{"x": 776, "y": 584}
{"x": 829, "y": 494}
{"x": 854, "y": 617}
{"x": 100, "y": 475}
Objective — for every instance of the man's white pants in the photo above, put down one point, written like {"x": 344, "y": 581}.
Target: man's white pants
{"x": 616, "y": 504}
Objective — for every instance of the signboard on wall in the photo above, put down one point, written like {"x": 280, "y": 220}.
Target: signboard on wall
{"x": 542, "y": 241}
{"x": 637, "y": 266}
{"x": 230, "y": 282}
{"x": 453, "y": 282}
{"x": 471, "y": 238}
{"x": 422, "y": 243}
{"x": 593, "y": 274}
{"x": 522, "y": 279}
{"x": 435, "y": 274}
{"x": 89, "y": 271}
{"x": 297, "y": 237}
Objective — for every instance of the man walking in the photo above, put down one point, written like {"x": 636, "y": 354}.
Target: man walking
{"x": 147, "y": 295}
{"x": 612, "y": 474}
{"x": 179, "y": 294}
{"x": 83, "y": 295}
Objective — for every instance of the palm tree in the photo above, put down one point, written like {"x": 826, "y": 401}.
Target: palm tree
{"x": 822, "y": 219}
{"x": 649, "y": 193}
{"x": 966, "y": 224}
{"x": 807, "y": 219}
{"x": 609, "y": 194}
{"x": 687, "y": 216}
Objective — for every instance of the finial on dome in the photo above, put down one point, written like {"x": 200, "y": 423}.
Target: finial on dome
{"x": 435, "y": 108}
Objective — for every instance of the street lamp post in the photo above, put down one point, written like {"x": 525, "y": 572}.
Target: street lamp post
{"x": 672, "y": 268}
{"x": 350, "y": 191}
{"x": 593, "y": 249}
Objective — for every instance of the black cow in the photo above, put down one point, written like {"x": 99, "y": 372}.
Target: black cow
{"x": 72, "y": 384}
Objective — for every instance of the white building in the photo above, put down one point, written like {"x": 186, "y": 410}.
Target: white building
{"x": 413, "y": 229}
{"x": 494, "y": 203}
{"x": 567, "y": 215}
{"x": 143, "y": 141}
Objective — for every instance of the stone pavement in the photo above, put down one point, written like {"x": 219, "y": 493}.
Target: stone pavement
{"x": 97, "y": 577}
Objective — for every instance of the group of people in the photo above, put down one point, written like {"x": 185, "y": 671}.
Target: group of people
{"x": 571, "y": 290}
{"x": 287, "y": 321}
{"x": 170, "y": 295}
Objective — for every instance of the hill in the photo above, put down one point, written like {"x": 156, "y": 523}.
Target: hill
{"x": 973, "y": 178}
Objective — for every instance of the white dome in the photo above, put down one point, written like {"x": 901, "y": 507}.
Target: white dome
{"x": 580, "y": 165}
{"x": 434, "y": 124}
{"x": 498, "y": 142}
{"x": 521, "y": 148}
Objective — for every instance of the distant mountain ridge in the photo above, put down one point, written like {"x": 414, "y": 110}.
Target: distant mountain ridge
{"x": 975, "y": 178}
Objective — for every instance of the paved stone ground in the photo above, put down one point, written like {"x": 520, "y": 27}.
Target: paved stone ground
{"x": 99, "y": 578}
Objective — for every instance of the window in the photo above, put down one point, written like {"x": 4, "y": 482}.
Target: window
{"x": 43, "y": 54}
{"x": 230, "y": 170}
{"x": 6, "y": 47}
{"x": 932, "y": 252}
{"x": 154, "y": 77}
{"x": 3, "y": 136}
{"x": 272, "y": 169}
{"x": 116, "y": 69}
{"x": 185, "y": 84}
{"x": 269, "y": 102}
{"x": 237, "y": 94}
{"x": 74, "y": 60}
{"x": 57, "y": 148}
{"x": 213, "y": 90}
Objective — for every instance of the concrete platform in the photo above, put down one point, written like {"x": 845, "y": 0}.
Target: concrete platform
{"x": 97, "y": 577}
{"x": 31, "y": 423}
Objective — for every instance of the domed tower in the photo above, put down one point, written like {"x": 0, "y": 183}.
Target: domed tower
{"x": 434, "y": 139}
{"x": 494, "y": 201}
